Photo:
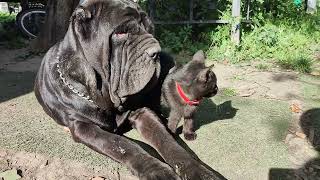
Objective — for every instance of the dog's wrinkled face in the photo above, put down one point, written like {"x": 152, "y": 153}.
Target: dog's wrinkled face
{"x": 200, "y": 80}
{"x": 117, "y": 35}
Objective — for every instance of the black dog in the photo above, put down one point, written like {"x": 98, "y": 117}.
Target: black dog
{"x": 106, "y": 67}
{"x": 183, "y": 89}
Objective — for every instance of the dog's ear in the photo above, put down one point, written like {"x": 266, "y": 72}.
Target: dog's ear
{"x": 82, "y": 14}
{"x": 147, "y": 23}
{"x": 82, "y": 18}
{"x": 199, "y": 56}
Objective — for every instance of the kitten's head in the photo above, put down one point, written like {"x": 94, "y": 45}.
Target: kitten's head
{"x": 200, "y": 80}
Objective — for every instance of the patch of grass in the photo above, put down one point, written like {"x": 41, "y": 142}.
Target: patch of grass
{"x": 262, "y": 67}
{"x": 279, "y": 128}
{"x": 6, "y": 17}
{"x": 301, "y": 64}
{"x": 311, "y": 90}
{"x": 9, "y": 33}
{"x": 228, "y": 92}
{"x": 238, "y": 77}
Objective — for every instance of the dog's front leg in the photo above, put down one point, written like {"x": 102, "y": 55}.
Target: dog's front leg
{"x": 122, "y": 150}
{"x": 155, "y": 134}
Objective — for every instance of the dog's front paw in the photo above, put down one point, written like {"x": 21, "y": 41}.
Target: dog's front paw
{"x": 160, "y": 173}
{"x": 196, "y": 171}
{"x": 190, "y": 136}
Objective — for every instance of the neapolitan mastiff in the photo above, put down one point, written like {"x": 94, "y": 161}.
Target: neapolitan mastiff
{"x": 105, "y": 75}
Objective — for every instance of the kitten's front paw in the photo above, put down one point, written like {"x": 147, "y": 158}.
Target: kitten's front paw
{"x": 190, "y": 136}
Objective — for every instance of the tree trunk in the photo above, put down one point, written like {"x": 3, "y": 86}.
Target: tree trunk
{"x": 56, "y": 23}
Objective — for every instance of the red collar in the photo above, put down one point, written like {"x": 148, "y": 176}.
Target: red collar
{"x": 185, "y": 98}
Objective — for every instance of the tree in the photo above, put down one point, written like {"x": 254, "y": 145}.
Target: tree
{"x": 56, "y": 23}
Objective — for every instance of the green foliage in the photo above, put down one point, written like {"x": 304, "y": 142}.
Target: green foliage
{"x": 5, "y": 18}
{"x": 299, "y": 63}
{"x": 180, "y": 39}
{"x": 279, "y": 32}
{"x": 9, "y": 32}
{"x": 262, "y": 67}
{"x": 228, "y": 92}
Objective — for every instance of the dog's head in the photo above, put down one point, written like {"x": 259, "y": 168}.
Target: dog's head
{"x": 200, "y": 80}
{"x": 116, "y": 39}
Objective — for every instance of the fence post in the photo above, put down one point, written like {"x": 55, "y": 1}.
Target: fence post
{"x": 311, "y": 6}
{"x": 235, "y": 29}
{"x": 151, "y": 8}
{"x": 190, "y": 11}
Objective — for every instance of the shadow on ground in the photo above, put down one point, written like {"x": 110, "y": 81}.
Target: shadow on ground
{"x": 209, "y": 112}
{"x": 14, "y": 84}
{"x": 310, "y": 124}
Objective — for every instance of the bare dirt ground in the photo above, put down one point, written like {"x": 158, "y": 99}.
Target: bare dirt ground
{"x": 36, "y": 166}
{"x": 245, "y": 84}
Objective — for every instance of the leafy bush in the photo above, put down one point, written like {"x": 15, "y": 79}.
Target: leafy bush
{"x": 9, "y": 32}
{"x": 5, "y": 18}
{"x": 280, "y": 31}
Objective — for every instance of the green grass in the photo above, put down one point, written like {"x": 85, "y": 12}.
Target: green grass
{"x": 280, "y": 44}
{"x": 228, "y": 92}
{"x": 291, "y": 38}
{"x": 301, "y": 64}
{"x": 262, "y": 67}
{"x": 238, "y": 77}
{"x": 6, "y": 17}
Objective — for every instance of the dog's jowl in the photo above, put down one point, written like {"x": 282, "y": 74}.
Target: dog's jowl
{"x": 101, "y": 74}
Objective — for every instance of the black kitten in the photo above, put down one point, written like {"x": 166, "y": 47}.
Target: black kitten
{"x": 183, "y": 89}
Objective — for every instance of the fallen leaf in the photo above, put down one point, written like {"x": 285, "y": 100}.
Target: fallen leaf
{"x": 10, "y": 175}
{"x": 295, "y": 108}
{"x": 66, "y": 129}
{"x": 301, "y": 135}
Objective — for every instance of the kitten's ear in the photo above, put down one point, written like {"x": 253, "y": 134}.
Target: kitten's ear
{"x": 204, "y": 74}
{"x": 199, "y": 56}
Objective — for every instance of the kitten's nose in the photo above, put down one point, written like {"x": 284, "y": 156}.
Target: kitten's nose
{"x": 216, "y": 88}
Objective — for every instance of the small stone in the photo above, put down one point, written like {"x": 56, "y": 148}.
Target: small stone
{"x": 315, "y": 73}
{"x": 3, "y": 153}
{"x": 10, "y": 174}
{"x": 301, "y": 135}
